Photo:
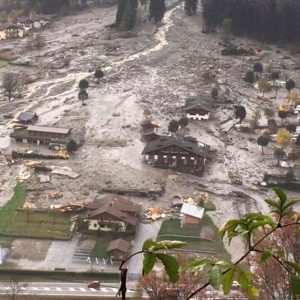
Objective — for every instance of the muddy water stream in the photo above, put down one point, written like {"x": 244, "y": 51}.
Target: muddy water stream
{"x": 74, "y": 78}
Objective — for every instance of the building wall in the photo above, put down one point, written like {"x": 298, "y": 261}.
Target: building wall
{"x": 106, "y": 225}
{"x": 117, "y": 254}
{"x": 189, "y": 221}
{"x": 47, "y": 135}
{"x": 178, "y": 159}
{"x": 197, "y": 116}
{"x": 2, "y": 35}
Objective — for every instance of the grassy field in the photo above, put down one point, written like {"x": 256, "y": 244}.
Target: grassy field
{"x": 28, "y": 223}
{"x": 37, "y": 224}
{"x": 170, "y": 230}
{"x": 52, "y": 276}
{"x": 8, "y": 210}
{"x": 101, "y": 246}
{"x": 3, "y": 63}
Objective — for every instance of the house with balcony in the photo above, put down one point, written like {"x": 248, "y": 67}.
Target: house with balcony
{"x": 184, "y": 154}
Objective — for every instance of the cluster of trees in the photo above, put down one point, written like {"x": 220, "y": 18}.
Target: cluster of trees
{"x": 190, "y": 7}
{"x": 266, "y": 20}
{"x": 174, "y": 125}
{"x": 127, "y": 9}
{"x": 41, "y": 6}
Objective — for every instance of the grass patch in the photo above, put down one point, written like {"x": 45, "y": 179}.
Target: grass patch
{"x": 3, "y": 63}
{"x": 39, "y": 224}
{"x": 170, "y": 230}
{"x": 5, "y": 240}
{"x": 21, "y": 133}
{"x": 173, "y": 226}
{"x": 101, "y": 246}
{"x": 8, "y": 210}
{"x": 29, "y": 223}
{"x": 50, "y": 276}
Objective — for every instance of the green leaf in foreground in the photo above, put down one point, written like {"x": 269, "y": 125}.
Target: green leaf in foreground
{"x": 148, "y": 244}
{"x": 166, "y": 245}
{"x": 295, "y": 266}
{"x": 148, "y": 263}
{"x": 215, "y": 277}
{"x": 227, "y": 280}
{"x": 171, "y": 266}
{"x": 295, "y": 283}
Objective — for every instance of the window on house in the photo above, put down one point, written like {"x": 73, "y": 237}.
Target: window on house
{"x": 155, "y": 157}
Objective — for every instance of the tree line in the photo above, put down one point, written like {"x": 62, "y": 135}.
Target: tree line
{"x": 266, "y": 20}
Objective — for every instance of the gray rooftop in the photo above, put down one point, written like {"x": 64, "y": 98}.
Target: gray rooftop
{"x": 192, "y": 210}
{"x": 26, "y": 116}
{"x": 181, "y": 142}
{"x": 48, "y": 129}
{"x": 204, "y": 103}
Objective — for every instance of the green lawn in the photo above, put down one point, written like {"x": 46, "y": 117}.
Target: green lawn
{"x": 170, "y": 230}
{"x": 8, "y": 210}
{"x": 21, "y": 133}
{"x": 37, "y": 224}
{"x": 29, "y": 223}
{"x": 101, "y": 246}
{"x": 3, "y": 63}
{"x": 173, "y": 226}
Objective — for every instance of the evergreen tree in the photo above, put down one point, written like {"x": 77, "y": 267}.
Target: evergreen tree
{"x": 126, "y": 14}
{"x": 190, "y": 7}
{"x": 157, "y": 10}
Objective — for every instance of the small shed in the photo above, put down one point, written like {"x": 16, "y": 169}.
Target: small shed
{"x": 191, "y": 215}
{"x": 27, "y": 117}
{"x": 118, "y": 249}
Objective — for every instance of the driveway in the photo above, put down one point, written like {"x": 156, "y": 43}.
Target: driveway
{"x": 144, "y": 232}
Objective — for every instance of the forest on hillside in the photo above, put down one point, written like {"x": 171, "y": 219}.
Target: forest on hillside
{"x": 17, "y": 7}
{"x": 265, "y": 20}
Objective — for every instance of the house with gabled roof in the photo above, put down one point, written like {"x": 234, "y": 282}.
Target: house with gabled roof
{"x": 118, "y": 249}
{"x": 112, "y": 213}
{"x": 183, "y": 154}
{"x": 198, "y": 108}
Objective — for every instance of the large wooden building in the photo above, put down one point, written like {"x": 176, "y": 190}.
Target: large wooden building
{"x": 42, "y": 135}
{"x": 180, "y": 153}
{"x": 198, "y": 108}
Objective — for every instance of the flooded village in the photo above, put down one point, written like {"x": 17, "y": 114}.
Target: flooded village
{"x": 109, "y": 140}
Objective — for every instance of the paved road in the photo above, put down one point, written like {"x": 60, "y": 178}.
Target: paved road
{"x": 144, "y": 232}
{"x": 63, "y": 289}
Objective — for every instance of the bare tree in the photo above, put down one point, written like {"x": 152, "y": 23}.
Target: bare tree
{"x": 10, "y": 83}
{"x": 15, "y": 288}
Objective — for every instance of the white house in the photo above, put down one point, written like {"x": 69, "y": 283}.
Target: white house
{"x": 198, "y": 108}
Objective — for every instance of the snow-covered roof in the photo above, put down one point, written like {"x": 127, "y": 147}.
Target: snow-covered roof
{"x": 192, "y": 210}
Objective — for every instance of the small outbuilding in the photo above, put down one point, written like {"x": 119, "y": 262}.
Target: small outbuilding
{"x": 198, "y": 108}
{"x": 28, "y": 117}
{"x": 118, "y": 249}
{"x": 191, "y": 215}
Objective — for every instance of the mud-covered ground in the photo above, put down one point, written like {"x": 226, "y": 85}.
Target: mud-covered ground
{"x": 156, "y": 69}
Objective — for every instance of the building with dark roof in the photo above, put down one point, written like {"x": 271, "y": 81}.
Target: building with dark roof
{"x": 118, "y": 249}
{"x": 198, "y": 108}
{"x": 112, "y": 213}
{"x": 27, "y": 117}
{"x": 183, "y": 154}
